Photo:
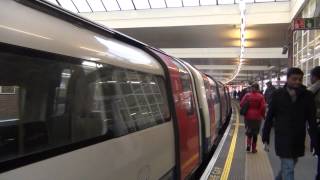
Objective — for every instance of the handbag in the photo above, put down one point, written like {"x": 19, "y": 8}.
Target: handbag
{"x": 244, "y": 108}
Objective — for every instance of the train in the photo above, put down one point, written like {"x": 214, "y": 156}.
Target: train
{"x": 81, "y": 101}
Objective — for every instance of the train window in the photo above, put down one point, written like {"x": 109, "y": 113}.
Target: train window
{"x": 47, "y": 103}
{"x": 187, "y": 95}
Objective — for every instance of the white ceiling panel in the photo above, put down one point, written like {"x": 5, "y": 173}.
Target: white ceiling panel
{"x": 157, "y": 4}
{"x": 141, "y": 4}
{"x": 96, "y": 5}
{"x": 82, "y": 5}
{"x": 111, "y": 5}
{"x": 174, "y": 3}
{"x": 126, "y": 4}
{"x": 191, "y": 2}
{"x": 68, "y": 4}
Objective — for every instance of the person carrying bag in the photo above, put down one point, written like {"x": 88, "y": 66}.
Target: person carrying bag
{"x": 253, "y": 108}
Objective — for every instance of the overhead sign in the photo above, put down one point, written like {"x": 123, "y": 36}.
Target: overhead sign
{"x": 306, "y": 23}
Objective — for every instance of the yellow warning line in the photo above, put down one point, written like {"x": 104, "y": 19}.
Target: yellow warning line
{"x": 227, "y": 165}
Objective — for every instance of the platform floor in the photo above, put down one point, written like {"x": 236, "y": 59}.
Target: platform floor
{"x": 232, "y": 162}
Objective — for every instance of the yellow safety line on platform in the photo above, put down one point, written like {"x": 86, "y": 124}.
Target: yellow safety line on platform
{"x": 227, "y": 165}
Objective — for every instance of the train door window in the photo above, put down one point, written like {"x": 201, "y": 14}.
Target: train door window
{"x": 187, "y": 96}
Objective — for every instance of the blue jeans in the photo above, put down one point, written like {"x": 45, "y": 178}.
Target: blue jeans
{"x": 287, "y": 169}
{"x": 318, "y": 169}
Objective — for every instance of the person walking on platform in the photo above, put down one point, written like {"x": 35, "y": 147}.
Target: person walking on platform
{"x": 234, "y": 94}
{"x": 315, "y": 89}
{"x": 269, "y": 91}
{"x": 238, "y": 94}
{"x": 253, "y": 116}
{"x": 291, "y": 107}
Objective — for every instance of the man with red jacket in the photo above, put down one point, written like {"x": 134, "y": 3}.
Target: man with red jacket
{"x": 253, "y": 116}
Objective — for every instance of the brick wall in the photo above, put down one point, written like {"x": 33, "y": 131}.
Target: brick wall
{"x": 8, "y": 106}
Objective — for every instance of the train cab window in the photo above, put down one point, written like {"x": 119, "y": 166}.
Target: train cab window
{"x": 49, "y": 103}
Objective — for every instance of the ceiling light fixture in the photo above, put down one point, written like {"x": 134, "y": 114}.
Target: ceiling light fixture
{"x": 242, "y": 7}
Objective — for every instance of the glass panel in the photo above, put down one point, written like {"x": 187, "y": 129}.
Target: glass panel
{"x": 310, "y": 50}
{"x": 305, "y": 39}
{"x": 304, "y": 67}
{"x": 226, "y": 2}
{"x": 96, "y": 5}
{"x": 174, "y": 3}
{"x": 310, "y": 65}
{"x": 126, "y": 4}
{"x": 157, "y": 3}
{"x": 111, "y": 5}
{"x": 82, "y": 5}
{"x": 264, "y": 0}
{"x": 191, "y": 2}
{"x": 317, "y": 48}
{"x": 208, "y": 2}
{"x": 317, "y": 33}
{"x": 311, "y": 35}
{"x": 57, "y": 103}
{"x": 247, "y": 1}
{"x": 305, "y": 53}
{"x": 141, "y": 4}
{"x": 67, "y": 4}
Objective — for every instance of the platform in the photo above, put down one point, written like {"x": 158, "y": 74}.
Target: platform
{"x": 231, "y": 161}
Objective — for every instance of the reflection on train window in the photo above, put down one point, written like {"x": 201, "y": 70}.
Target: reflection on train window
{"x": 8, "y": 89}
{"x": 61, "y": 93}
{"x": 49, "y": 103}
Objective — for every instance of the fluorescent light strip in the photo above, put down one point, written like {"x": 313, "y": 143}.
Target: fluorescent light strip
{"x": 242, "y": 7}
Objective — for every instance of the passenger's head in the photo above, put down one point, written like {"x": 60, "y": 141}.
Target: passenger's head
{"x": 315, "y": 74}
{"x": 269, "y": 84}
{"x": 294, "y": 77}
{"x": 255, "y": 87}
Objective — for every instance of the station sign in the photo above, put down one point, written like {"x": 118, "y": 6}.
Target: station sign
{"x": 306, "y": 23}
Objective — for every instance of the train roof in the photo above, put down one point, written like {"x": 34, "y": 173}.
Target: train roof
{"x": 43, "y": 26}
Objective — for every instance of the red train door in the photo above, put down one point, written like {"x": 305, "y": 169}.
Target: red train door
{"x": 186, "y": 116}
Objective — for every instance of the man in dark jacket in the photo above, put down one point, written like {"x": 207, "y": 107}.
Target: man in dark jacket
{"x": 315, "y": 89}
{"x": 269, "y": 91}
{"x": 291, "y": 107}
